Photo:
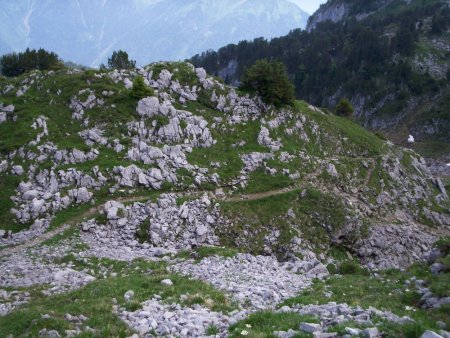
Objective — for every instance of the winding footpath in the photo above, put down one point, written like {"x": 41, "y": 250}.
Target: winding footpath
{"x": 5, "y": 251}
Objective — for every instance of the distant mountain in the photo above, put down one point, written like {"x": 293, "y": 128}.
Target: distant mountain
{"x": 87, "y": 31}
{"x": 389, "y": 57}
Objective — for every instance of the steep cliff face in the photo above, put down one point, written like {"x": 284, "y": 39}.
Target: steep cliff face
{"x": 340, "y": 10}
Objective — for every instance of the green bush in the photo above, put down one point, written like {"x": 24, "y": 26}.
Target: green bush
{"x": 140, "y": 89}
{"x": 142, "y": 233}
{"x": 443, "y": 245}
{"x": 351, "y": 268}
{"x": 270, "y": 81}
{"x": 344, "y": 108}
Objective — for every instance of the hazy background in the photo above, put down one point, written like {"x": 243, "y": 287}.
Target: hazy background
{"x": 88, "y": 31}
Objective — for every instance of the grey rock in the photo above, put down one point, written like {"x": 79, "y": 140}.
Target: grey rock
{"x": 17, "y": 170}
{"x": 430, "y": 334}
{"x": 166, "y": 282}
{"x": 286, "y": 334}
{"x": 148, "y": 107}
{"x": 436, "y": 268}
{"x": 325, "y": 334}
{"x": 331, "y": 169}
{"x": 371, "y": 332}
{"x": 129, "y": 295}
{"x": 44, "y": 333}
{"x": 310, "y": 327}
{"x": 352, "y": 331}
{"x": 8, "y": 109}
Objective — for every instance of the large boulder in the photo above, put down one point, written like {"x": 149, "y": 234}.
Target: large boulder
{"x": 148, "y": 107}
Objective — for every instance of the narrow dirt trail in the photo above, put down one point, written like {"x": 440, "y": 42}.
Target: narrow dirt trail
{"x": 89, "y": 213}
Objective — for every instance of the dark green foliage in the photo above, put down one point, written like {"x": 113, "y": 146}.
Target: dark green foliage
{"x": 140, "y": 89}
{"x": 142, "y": 234}
{"x": 15, "y": 64}
{"x": 351, "y": 268}
{"x": 119, "y": 60}
{"x": 353, "y": 58}
{"x": 270, "y": 81}
{"x": 344, "y": 108}
{"x": 443, "y": 245}
{"x": 440, "y": 22}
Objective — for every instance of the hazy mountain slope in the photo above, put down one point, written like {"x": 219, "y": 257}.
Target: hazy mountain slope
{"x": 393, "y": 64}
{"x": 88, "y": 31}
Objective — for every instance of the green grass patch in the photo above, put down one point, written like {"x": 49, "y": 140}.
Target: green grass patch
{"x": 263, "y": 324}
{"x": 95, "y": 301}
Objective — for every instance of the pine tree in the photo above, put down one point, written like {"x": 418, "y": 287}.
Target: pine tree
{"x": 270, "y": 81}
{"x": 119, "y": 60}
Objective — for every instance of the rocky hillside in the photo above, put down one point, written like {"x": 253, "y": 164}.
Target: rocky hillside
{"x": 112, "y": 204}
{"x": 342, "y": 10}
{"x": 149, "y": 30}
{"x": 390, "y": 58}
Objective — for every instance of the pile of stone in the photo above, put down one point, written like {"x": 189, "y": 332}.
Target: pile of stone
{"x": 257, "y": 282}
{"x": 168, "y": 225}
{"x": 252, "y": 161}
{"x": 175, "y": 320}
{"x": 10, "y": 300}
{"x": 396, "y": 246}
{"x": 133, "y": 176}
{"x": 242, "y": 109}
{"x": 182, "y": 227}
{"x": 41, "y": 196}
{"x": 93, "y": 136}
{"x": 36, "y": 229}
{"x": 78, "y": 106}
{"x": 264, "y": 139}
{"x": 333, "y": 314}
{"x": 19, "y": 270}
{"x": 195, "y": 133}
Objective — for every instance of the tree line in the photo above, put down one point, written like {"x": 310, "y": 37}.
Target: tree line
{"x": 352, "y": 57}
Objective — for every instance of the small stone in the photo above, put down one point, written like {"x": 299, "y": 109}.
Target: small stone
{"x": 49, "y": 334}
{"x": 310, "y": 327}
{"x": 129, "y": 295}
{"x": 166, "y": 282}
{"x": 286, "y": 334}
{"x": 352, "y": 331}
{"x": 371, "y": 332}
{"x": 324, "y": 334}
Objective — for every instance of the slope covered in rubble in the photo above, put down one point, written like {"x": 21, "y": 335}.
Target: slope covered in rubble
{"x": 92, "y": 176}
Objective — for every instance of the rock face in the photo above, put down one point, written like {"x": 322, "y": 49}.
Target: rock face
{"x": 340, "y": 10}
{"x": 168, "y": 225}
{"x": 394, "y": 247}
